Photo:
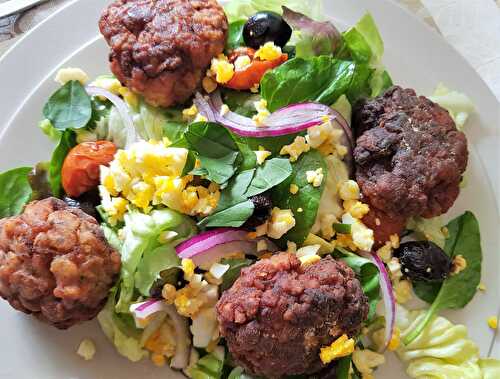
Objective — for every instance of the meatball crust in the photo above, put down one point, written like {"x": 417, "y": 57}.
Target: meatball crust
{"x": 278, "y": 314}
{"x": 409, "y": 155}
{"x": 55, "y": 263}
{"x": 161, "y": 48}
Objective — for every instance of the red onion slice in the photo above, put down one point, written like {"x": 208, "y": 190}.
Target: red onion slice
{"x": 122, "y": 109}
{"x": 210, "y": 247}
{"x": 387, "y": 296}
{"x": 147, "y": 308}
{"x": 287, "y": 120}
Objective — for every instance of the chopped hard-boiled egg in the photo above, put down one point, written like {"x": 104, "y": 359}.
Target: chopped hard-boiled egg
{"x": 402, "y": 291}
{"x": 268, "y": 52}
{"x": 149, "y": 174}
{"x": 349, "y": 190}
{"x": 294, "y": 189}
{"x": 262, "y": 112}
{"x": 86, "y": 349}
{"x": 296, "y": 148}
{"x": 341, "y": 347}
{"x": 262, "y": 155}
{"x": 242, "y": 62}
{"x": 281, "y": 221}
{"x": 204, "y": 327}
{"x": 222, "y": 69}
{"x": 315, "y": 177}
{"x": 366, "y": 360}
{"x": 362, "y": 236}
{"x": 68, "y": 74}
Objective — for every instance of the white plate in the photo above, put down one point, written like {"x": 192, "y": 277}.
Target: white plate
{"x": 416, "y": 56}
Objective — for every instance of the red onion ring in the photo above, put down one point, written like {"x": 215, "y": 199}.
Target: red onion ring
{"x": 122, "y": 109}
{"x": 387, "y": 297}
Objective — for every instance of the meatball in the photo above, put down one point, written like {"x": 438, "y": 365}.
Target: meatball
{"x": 409, "y": 155}
{"x": 161, "y": 48}
{"x": 383, "y": 225}
{"x": 278, "y": 314}
{"x": 55, "y": 263}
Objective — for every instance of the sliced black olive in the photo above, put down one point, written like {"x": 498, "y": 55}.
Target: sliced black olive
{"x": 265, "y": 27}
{"x": 423, "y": 261}
{"x": 262, "y": 209}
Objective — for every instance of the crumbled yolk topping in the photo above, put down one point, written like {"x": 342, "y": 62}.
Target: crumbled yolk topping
{"x": 262, "y": 112}
{"x": 296, "y": 148}
{"x": 294, "y": 188}
{"x": 268, "y": 52}
{"x": 281, "y": 221}
{"x": 188, "y": 267}
{"x": 222, "y": 69}
{"x": 262, "y": 154}
{"x": 149, "y": 174}
{"x": 493, "y": 322}
{"x": 315, "y": 177}
{"x": 395, "y": 340}
{"x": 341, "y": 347}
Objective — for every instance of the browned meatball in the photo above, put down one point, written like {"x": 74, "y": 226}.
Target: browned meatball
{"x": 55, "y": 263}
{"x": 383, "y": 225}
{"x": 278, "y": 314}
{"x": 160, "y": 48}
{"x": 409, "y": 155}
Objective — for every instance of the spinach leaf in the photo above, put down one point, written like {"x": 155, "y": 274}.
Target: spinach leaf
{"x": 272, "y": 144}
{"x": 216, "y": 150}
{"x": 233, "y": 272}
{"x": 307, "y": 198}
{"x": 15, "y": 191}
{"x": 322, "y": 79}
{"x": 233, "y": 216}
{"x": 235, "y": 191}
{"x": 235, "y": 35}
{"x": 368, "y": 275}
{"x": 240, "y": 102}
{"x": 457, "y": 290}
{"x": 343, "y": 368}
{"x": 272, "y": 173}
{"x": 69, "y": 107}
{"x": 68, "y": 141}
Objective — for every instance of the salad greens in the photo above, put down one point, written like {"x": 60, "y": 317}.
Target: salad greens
{"x": 142, "y": 240}
{"x": 69, "y": 107}
{"x": 15, "y": 191}
{"x": 307, "y": 198}
{"x": 322, "y": 79}
{"x": 235, "y": 35}
{"x": 270, "y": 174}
{"x": 66, "y": 143}
{"x": 457, "y": 290}
{"x": 208, "y": 367}
{"x": 368, "y": 275}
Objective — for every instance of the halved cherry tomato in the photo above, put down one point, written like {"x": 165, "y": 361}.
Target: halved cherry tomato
{"x": 250, "y": 76}
{"x": 80, "y": 171}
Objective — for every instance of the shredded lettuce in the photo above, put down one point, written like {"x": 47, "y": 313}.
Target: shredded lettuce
{"x": 458, "y": 104}
{"x": 208, "y": 367}
{"x": 443, "y": 351}
{"x": 142, "y": 258}
{"x": 242, "y": 9}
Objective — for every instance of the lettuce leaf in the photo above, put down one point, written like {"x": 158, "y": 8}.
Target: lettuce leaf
{"x": 142, "y": 236}
{"x": 124, "y": 337}
{"x": 443, "y": 351}
{"x": 458, "y": 104}
{"x": 15, "y": 191}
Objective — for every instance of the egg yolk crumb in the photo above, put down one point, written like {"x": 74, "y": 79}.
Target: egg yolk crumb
{"x": 341, "y": 347}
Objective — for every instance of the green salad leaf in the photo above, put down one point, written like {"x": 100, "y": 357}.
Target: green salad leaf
{"x": 322, "y": 79}
{"x": 233, "y": 216}
{"x": 270, "y": 174}
{"x": 69, "y": 107}
{"x": 368, "y": 275}
{"x": 208, "y": 367}
{"x": 235, "y": 35}
{"x": 457, "y": 290}
{"x": 308, "y": 197}
{"x": 142, "y": 239}
{"x": 123, "y": 335}
{"x": 67, "y": 142}
{"x": 215, "y": 148}
{"x": 235, "y": 266}
{"x": 240, "y": 102}
{"x": 15, "y": 191}
{"x": 48, "y": 129}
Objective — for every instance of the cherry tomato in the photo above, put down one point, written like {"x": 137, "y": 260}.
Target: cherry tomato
{"x": 250, "y": 76}
{"x": 80, "y": 171}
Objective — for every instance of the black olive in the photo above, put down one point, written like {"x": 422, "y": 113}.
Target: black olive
{"x": 86, "y": 202}
{"x": 262, "y": 209}
{"x": 265, "y": 27}
{"x": 423, "y": 261}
